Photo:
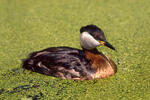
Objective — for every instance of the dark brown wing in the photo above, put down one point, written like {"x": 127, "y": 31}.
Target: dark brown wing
{"x": 58, "y": 61}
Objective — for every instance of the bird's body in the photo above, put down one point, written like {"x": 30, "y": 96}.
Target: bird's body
{"x": 72, "y": 63}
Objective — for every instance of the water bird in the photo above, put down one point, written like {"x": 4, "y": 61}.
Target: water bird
{"x": 72, "y": 63}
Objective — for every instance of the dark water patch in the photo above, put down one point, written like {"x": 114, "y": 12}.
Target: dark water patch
{"x": 12, "y": 72}
{"x": 35, "y": 86}
{"x": 2, "y": 90}
{"x": 36, "y": 97}
{"x": 20, "y": 88}
{"x": 23, "y": 87}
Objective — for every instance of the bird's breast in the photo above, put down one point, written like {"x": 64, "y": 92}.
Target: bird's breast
{"x": 103, "y": 65}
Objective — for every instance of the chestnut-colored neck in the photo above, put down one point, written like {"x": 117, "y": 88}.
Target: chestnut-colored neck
{"x": 93, "y": 53}
{"x": 103, "y": 65}
{"x": 94, "y": 56}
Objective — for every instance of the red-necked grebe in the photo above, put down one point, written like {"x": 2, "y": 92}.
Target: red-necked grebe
{"x": 72, "y": 63}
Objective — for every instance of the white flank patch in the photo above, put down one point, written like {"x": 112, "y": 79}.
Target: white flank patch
{"x": 87, "y": 41}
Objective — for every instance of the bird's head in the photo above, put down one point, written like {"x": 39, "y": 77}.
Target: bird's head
{"x": 92, "y": 36}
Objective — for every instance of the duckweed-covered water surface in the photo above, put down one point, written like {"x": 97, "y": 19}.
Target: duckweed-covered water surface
{"x": 27, "y": 26}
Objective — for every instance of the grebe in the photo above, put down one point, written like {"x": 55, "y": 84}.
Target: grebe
{"x": 72, "y": 63}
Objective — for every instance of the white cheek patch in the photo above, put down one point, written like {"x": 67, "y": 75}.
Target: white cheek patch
{"x": 87, "y": 41}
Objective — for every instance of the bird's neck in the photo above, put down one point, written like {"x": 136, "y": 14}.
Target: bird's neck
{"x": 102, "y": 64}
{"x": 94, "y": 57}
{"x": 92, "y": 51}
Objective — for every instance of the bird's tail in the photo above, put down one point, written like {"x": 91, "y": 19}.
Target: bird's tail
{"x": 32, "y": 63}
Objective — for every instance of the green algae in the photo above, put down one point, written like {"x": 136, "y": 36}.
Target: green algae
{"x": 27, "y": 26}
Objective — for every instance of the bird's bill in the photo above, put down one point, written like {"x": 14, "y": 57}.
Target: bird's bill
{"x": 105, "y": 43}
